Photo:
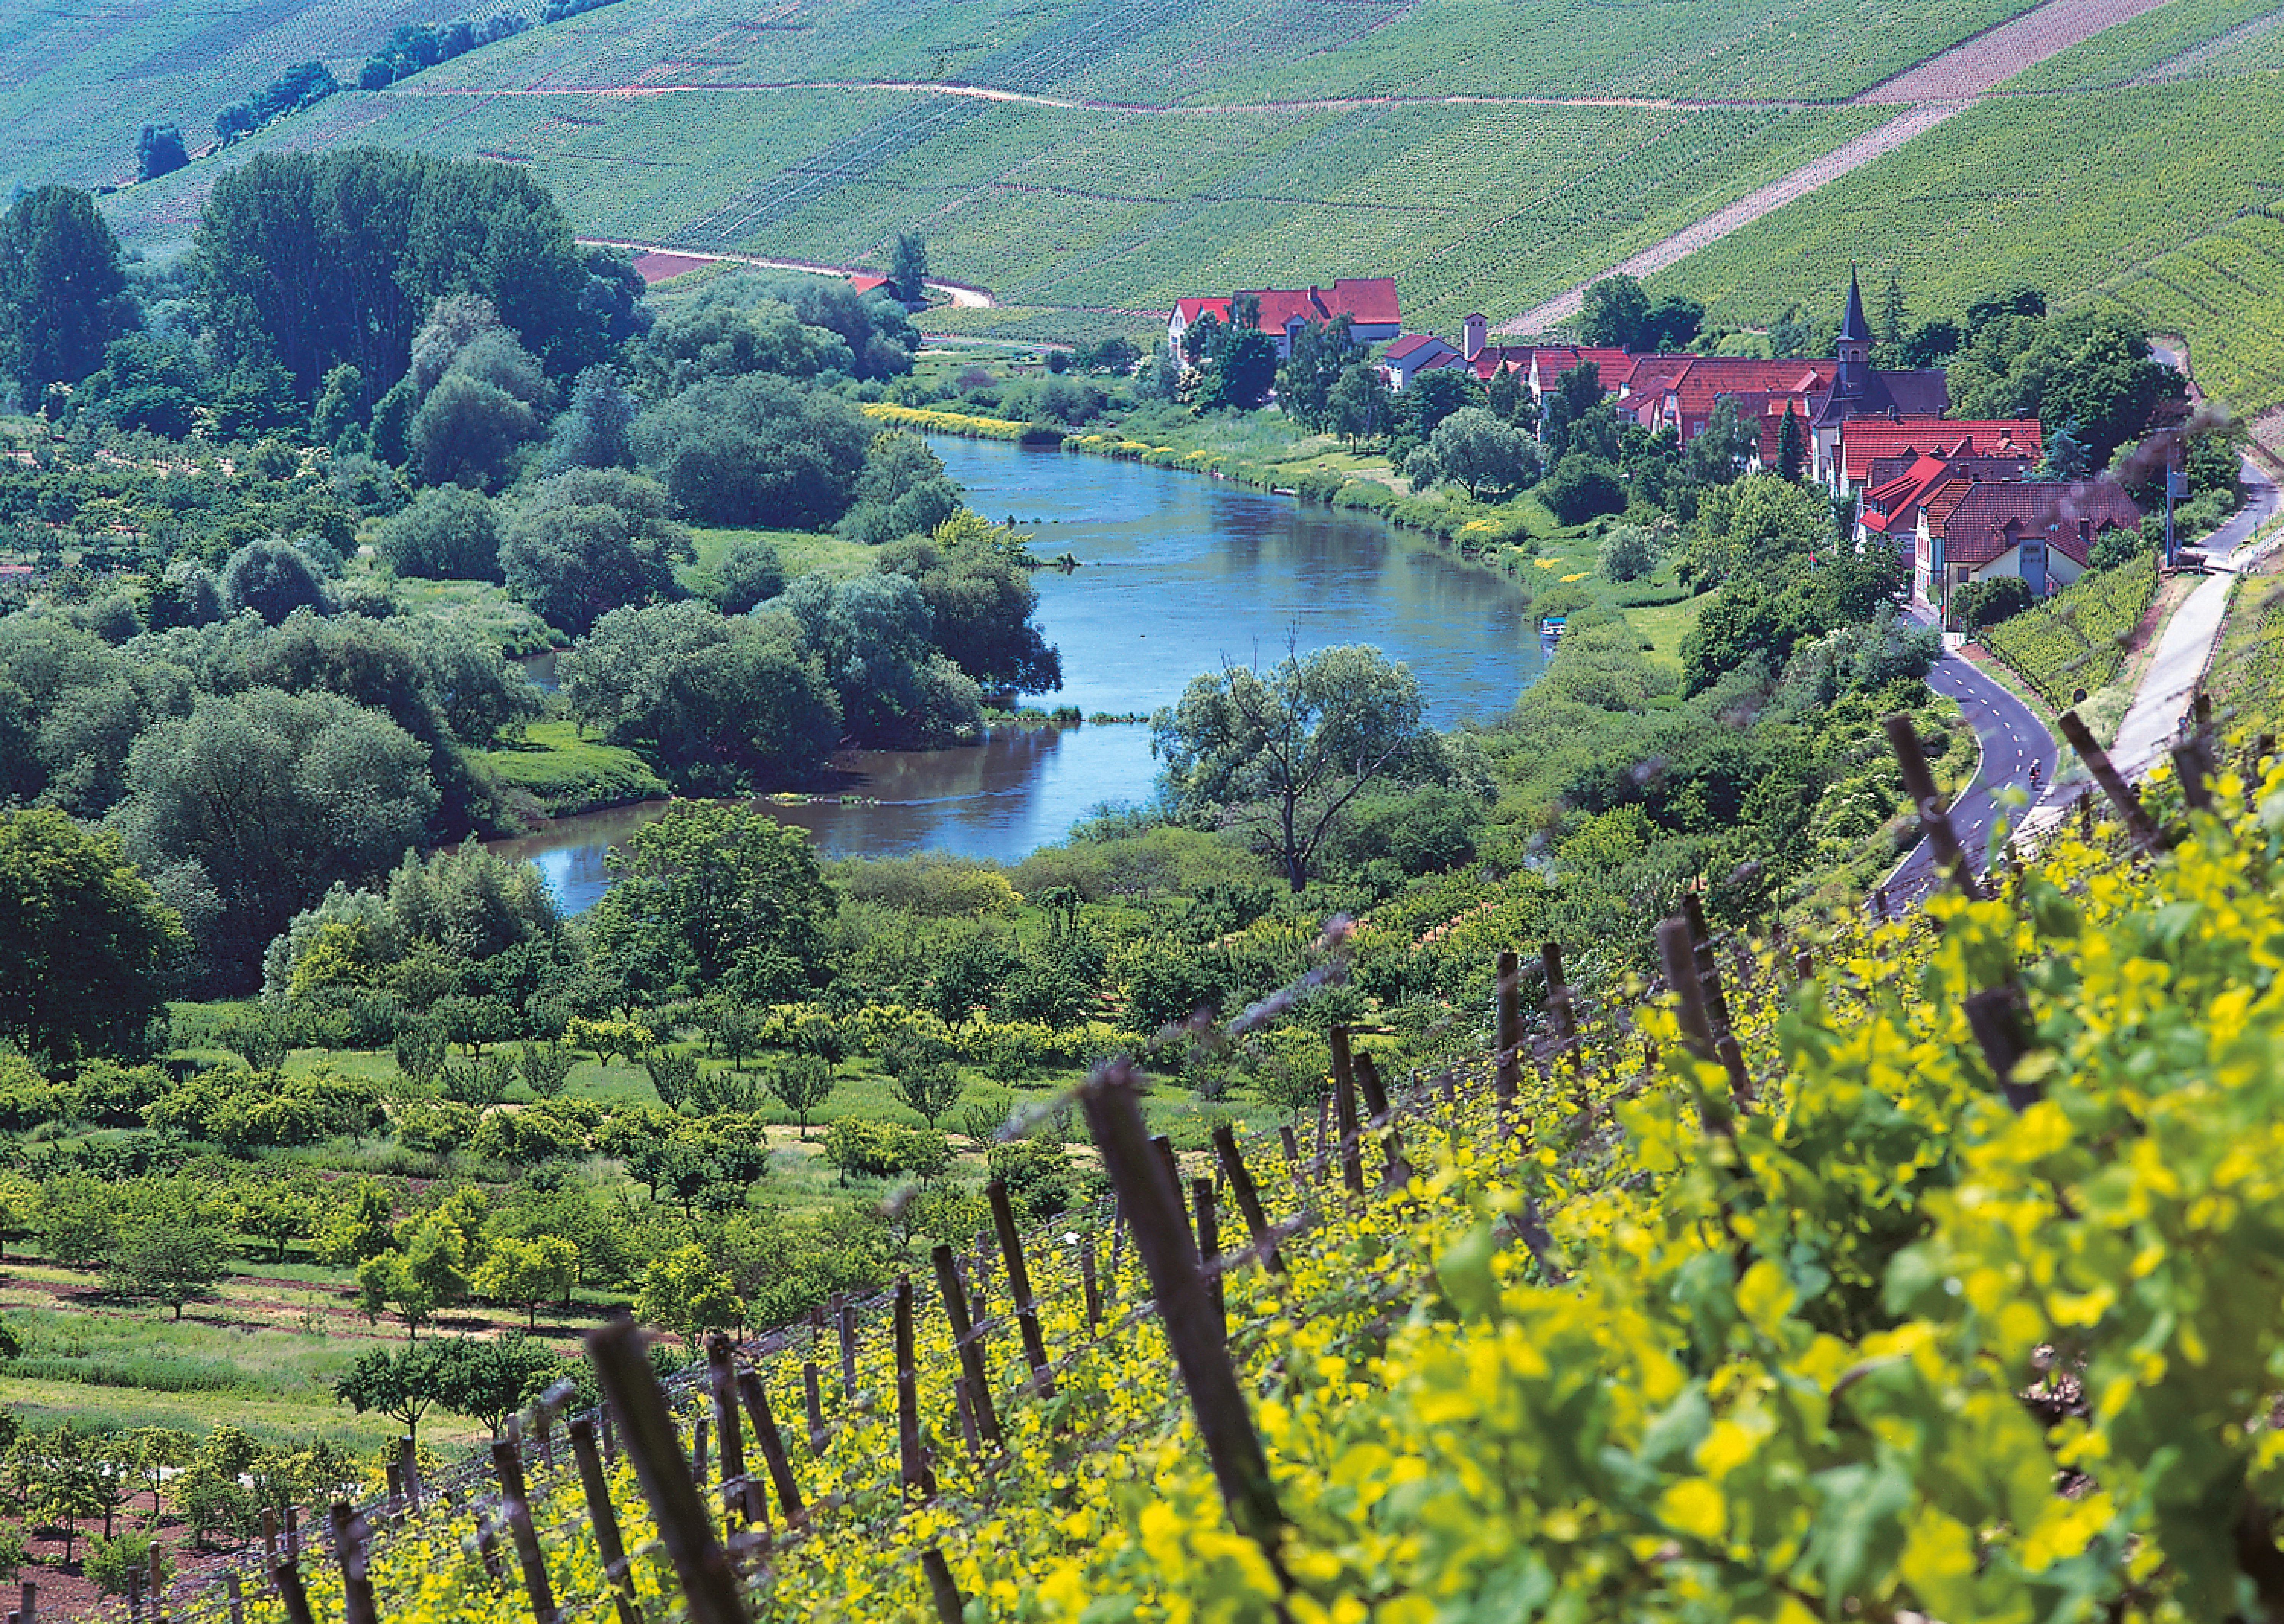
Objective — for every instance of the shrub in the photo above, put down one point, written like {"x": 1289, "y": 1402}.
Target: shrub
{"x": 881, "y": 1149}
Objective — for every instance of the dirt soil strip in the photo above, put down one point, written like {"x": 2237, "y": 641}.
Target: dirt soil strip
{"x": 1978, "y": 65}
{"x": 1944, "y": 84}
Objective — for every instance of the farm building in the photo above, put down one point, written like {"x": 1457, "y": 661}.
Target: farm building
{"x": 1412, "y": 354}
{"x": 1369, "y": 302}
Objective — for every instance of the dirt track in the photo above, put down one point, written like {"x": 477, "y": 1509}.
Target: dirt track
{"x": 1938, "y": 88}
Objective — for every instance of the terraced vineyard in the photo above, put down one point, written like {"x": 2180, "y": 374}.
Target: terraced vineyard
{"x": 2077, "y": 638}
{"x": 2087, "y": 195}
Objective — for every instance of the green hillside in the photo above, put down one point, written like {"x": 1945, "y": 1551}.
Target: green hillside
{"x": 1123, "y": 159}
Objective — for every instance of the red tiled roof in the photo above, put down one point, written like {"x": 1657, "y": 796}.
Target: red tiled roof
{"x": 1708, "y": 378}
{"x": 1863, "y": 438}
{"x": 1405, "y": 343}
{"x": 1991, "y": 516}
{"x": 1369, "y": 301}
{"x": 1190, "y": 309}
{"x": 1612, "y": 366}
{"x": 1937, "y": 506}
{"x": 865, "y": 282}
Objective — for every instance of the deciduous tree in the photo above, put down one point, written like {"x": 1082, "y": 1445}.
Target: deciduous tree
{"x": 85, "y": 944}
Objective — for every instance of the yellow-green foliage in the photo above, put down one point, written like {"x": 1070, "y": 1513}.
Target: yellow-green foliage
{"x": 1874, "y": 1342}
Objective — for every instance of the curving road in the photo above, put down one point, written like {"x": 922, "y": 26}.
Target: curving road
{"x": 2012, "y": 741}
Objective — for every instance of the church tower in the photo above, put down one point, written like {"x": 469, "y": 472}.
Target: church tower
{"x": 1854, "y": 346}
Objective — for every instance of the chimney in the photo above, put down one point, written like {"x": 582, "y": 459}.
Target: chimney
{"x": 1472, "y": 345}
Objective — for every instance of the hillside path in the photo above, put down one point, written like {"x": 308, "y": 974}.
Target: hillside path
{"x": 962, "y": 294}
{"x": 2185, "y": 648}
{"x": 1946, "y": 84}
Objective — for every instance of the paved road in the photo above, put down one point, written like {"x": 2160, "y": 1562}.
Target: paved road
{"x": 2012, "y": 741}
{"x": 2186, "y": 646}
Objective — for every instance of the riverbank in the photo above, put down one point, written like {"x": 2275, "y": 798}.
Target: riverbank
{"x": 1506, "y": 537}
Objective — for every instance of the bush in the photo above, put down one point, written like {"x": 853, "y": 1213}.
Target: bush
{"x": 1036, "y": 1174}
{"x": 881, "y": 1149}
{"x": 448, "y": 534}
{"x": 1987, "y": 603}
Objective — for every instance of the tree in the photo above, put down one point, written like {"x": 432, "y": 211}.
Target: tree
{"x": 1359, "y": 406}
{"x": 976, "y": 581}
{"x": 1615, "y": 311}
{"x": 273, "y": 579}
{"x": 1284, "y": 752}
{"x": 401, "y": 1383}
{"x": 1305, "y": 383}
{"x": 590, "y": 540}
{"x": 530, "y": 1272}
{"x": 85, "y": 944}
{"x": 683, "y": 1291}
{"x": 467, "y": 431}
{"x": 930, "y": 1088}
{"x": 1792, "y": 445}
{"x": 909, "y": 269}
{"x": 1434, "y": 396}
{"x": 1581, "y": 485}
{"x": 751, "y": 572}
{"x": 719, "y": 893}
{"x": 415, "y": 1281}
{"x": 159, "y": 150}
{"x": 274, "y": 796}
{"x": 65, "y": 1481}
{"x": 756, "y": 451}
{"x": 802, "y": 1084}
{"x": 1629, "y": 552}
{"x": 491, "y": 1380}
{"x": 903, "y": 491}
{"x": 1481, "y": 453}
{"x": 1726, "y": 446}
{"x": 448, "y": 534}
{"x": 170, "y": 1256}
{"x": 597, "y": 427}
{"x": 1671, "y": 323}
{"x": 1244, "y": 371}
{"x": 62, "y": 296}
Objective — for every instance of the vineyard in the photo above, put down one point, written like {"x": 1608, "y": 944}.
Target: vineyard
{"x": 2226, "y": 291}
{"x": 1876, "y": 1268}
{"x": 2158, "y": 44}
{"x": 2077, "y": 638}
{"x": 2123, "y": 178}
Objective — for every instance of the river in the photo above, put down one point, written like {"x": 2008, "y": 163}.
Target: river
{"x": 1177, "y": 572}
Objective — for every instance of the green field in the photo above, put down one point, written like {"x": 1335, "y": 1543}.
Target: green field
{"x": 2082, "y": 194}
{"x": 2179, "y": 39}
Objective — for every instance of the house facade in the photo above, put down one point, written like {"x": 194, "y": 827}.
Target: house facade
{"x": 1412, "y": 354}
{"x": 2043, "y": 531}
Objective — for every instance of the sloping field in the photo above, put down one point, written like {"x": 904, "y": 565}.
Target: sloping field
{"x": 78, "y": 82}
{"x": 1098, "y": 208}
{"x": 2077, "y": 194}
{"x": 2179, "y": 39}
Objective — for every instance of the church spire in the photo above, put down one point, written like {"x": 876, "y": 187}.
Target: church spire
{"x": 1853, "y": 327}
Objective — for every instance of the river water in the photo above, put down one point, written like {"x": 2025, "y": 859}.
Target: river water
{"x": 1177, "y": 574}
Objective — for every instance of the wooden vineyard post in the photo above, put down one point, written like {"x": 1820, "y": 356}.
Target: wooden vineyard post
{"x": 963, "y": 1341}
{"x": 772, "y": 1444}
{"x": 1507, "y": 983}
{"x": 2189, "y": 767}
{"x": 408, "y": 1463}
{"x": 1994, "y": 1019}
{"x": 819, "y": 1438}
{"x": 1344, "y": 1107}
{"x": 488, "y": 1545}
{"x": 1323, "y": 1159}
{"x": 967, "y": 1410}
{"x": 1717, "y": 1003}
{"x": 911, "y": 1461}
{"x": 683, "y": 1527}
{"x": 1291, "y": 1146}
{"x": 1561, "y": 1009}
{"x": 287, "y": 1578}
{"x": 845, "y": 1318}
{"x": 1375, "y": 1101}
{"x": 610, "y": 1544}
{"x": 269, "y": 1541}
{"x": 507, "y": 1461}
{"x": 350, "y": 1535}
{"x": 1172, "y": 1164}
{"x": 395, "y": 1471}
{"x": 950, "y": 1606}
{"x": 2113, "y": 784}
{"x": 1152, "y": 1203}
{"x": 1804, "y": 966}
{"x": 29, "y": 1599}
{"x": 1935, "y": 816}
{"x": 294, "y": 1534}
{"x": 1018, "y": 1282}
{"x": 1202, "y": 1198}
{"x": 1680, "y": 961}
{"x": 698, "y": 1435}
{"x": 741, "y": 1496}
{"x": 235, "y": 1591}
{"x": 1089, "y": 1284}
{"x": 158, "y": 1559}
{"x": 1242, "y": 1189}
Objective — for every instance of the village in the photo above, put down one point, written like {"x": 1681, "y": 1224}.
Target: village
{"x": 1963, "y": 500}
